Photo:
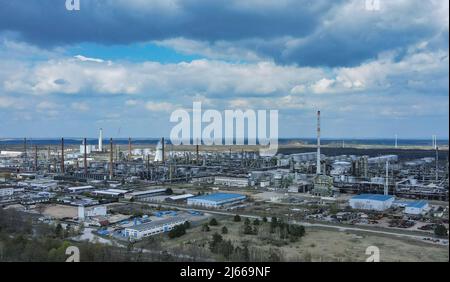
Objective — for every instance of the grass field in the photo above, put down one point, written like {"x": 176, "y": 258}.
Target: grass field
{"x": 317, "y": 245}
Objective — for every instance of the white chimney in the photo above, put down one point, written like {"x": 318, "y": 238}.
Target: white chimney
{"x": 386, "y": 184}
{"x": 100, "y": 141}
{"x": 318, "y": 170}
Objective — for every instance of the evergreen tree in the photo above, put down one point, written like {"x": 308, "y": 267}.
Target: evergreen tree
{"x": 246, "y": 254}
{"x": 205, "y": 227}
{"x": 440, "y": 230}
{"x": 213, "y": 222}
{"x": 59, "y": 232}
{"x": 226, "y": 249}
{"x": 214, "y": 243}
{"x": 224, "y": 230}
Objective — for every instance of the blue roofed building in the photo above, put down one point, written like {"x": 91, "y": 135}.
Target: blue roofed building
{"x": 416, "y": 207}
{"x": 216, "y": 200}
{"x": 375, "y": 202}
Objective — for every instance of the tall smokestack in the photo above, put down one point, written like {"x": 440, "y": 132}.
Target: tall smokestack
{"x": 318, "y": 170}
{"x": 85, "y": 157}
{"x": 62, "y": 156}
{"x": 196, "y": 152}
{"x": 437, "y": 164}
{"x": 129, "y": 148}
{"x": 111, "y": 156}
{"x": 55, "y": 160}
{"x": 163, "y": 150}
{"x": 35, "y": 158}
{"x": 100, "y": 140}
{"x": 396, "y": 141}
{"x": 25, "y": 151}
{"x": 386, "y": 185}
{"x": 434, "y": 142}
{"x": 48, "y": 160}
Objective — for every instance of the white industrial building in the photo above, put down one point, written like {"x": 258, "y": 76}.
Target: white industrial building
{"x": 84, "y": 212}
{"x": 6, "y": 192}
{"x": 10, "y": 154}
{"x": 416, "y": 208}
{"x": 138, "y": 232}
{"x": 145, "y": 194}
{"x": 302, "y": 157}
{"x": 179, "y": 198}
{"x": 39, "y": 184}
{"x": 371, "y": 202}
{"x": 89, "y": 149}
{"x": 109, "y": 192}
{"x": 231, "y": 181}
{"x": 80, "y": 189}
{"x": 383, "y": 159}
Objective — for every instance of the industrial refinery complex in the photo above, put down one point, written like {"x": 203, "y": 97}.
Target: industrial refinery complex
{"x": 132, "y": 192}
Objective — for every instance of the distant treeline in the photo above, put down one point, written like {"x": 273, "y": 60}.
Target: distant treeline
{"x": 403, "y": 154}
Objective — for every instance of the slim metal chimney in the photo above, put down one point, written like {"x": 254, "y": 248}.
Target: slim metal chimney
{"x": 25, "y": 161}
{"x": 35, "y": 158}
{"x": 434, "y": 142}
{"x": 396, "y": 141}
{"x": 62, "y": 156}
{"x": 85, "y": 156}
{"x": 111, "y": 161}
{"x": 386, "y": 185}
{"x": 163, "y": 150}
{"x": 129, "y": 148}
{"x": 196, "y": 152}
{"x": 48, "y": 160}
{"x": 318, "y": 168}
{"x": 100, "y": 140}
{"x": 437, "y": 164}
{"x": 55, "y": 160}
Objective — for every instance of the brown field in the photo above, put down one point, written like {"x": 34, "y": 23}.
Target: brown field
{"x": 317, "y": 245}
{"x": 59, "y": 211}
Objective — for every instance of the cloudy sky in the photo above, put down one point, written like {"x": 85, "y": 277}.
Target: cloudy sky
{"x": 125, "y": 65}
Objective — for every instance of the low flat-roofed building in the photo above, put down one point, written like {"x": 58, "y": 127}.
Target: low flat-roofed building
{"x": 375, "y": 202}
{"x": 216, "y": 200}
{"x": 84, "y": 212}
{"x": 179, "y": 198}
{"x": 145, "y": 194}
{"x": 231, "y": 181}
{"x": 202, "y": 179}
{"x": 11, "y": 154}
{"x": 80, "y": 189}
{"x": 40, "y": 184}
{"x": 109, "y": 192}
{"x": 416, "y": 207}
{"x": 140, "y": 231}
{"x": 6, "y": 192}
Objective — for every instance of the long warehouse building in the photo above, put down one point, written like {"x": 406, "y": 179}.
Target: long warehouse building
{"x": 371, "y": 202}
{"x": 216, "y": 200}
{"x": 138, "y": 232}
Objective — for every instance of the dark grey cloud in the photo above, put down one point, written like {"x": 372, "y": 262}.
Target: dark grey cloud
{"x": 105, "y": 21}
{"x": 304, "y": 32}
